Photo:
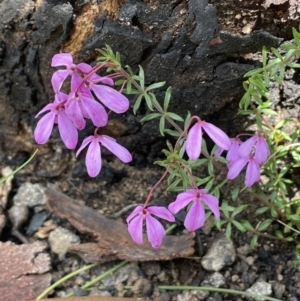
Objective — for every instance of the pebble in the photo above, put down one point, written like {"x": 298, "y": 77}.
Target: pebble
{"x": 120, "y": 275}
{"x": 201, "y": 295}
{"x": 162, "y": 297}
{"x": 96, "y": 292}
{"x": 142, "y": 288}
{"x": 151, "y": 268}
{"x": 215, "y": 280}
{"x": 220, "y": 254}
{"x": 60, "y": 239}
{"x": 279, "y": 289}
{"x": 30, "y": 195}
{"x": 244, "y": 250}
{"x": 260, "y": 288}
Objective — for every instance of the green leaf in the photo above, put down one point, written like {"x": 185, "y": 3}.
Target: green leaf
{"x": 137, "y": 104}
{"x": 239, "y": 226}
{"x": 162, "y": 125}
{"x": 155, "y": 86}
{"x": 235, "y": 193}
{"x": 210, "y": 168}
{"x": 150, "y": 117}
{"x": 148, "y": 101}
{"x": 167, "y": 98}
{"x": 142, "y": 77}
{"x": 247, "y": 225}
{"x": 228, "y": 231}
{"x": 209, "y": 185}
{"x": 201, "y": 181}
{"x": 239, "y": 210}
{"x": 264, "y": 225}
{"x": 175, "y": 116}
{"x": 171, "y": 133}
{"x": 254, "y": 240}
{"x": 187, "y": 119}
{"x": 261, "y": 210}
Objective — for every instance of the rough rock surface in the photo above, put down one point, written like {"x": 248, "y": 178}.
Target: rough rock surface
{"x": 23, "y": 272}
{"x": 60, "y": 239}
{"x": 220, "y": 254}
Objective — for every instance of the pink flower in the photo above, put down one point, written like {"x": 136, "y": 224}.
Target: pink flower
{"x": 233, "y": 154}
{"x": 65, "y": 59}
{"x": 67, "y": 130}
{"x": 111, "y": 98}
{"x": 194, "y": 138}
{"x": 195, "y": 217}
{"x": 81, "y": 104}
{"x": 155, "y": 230}
{"x": 258, "y": 145}
{"x": 252, "y": 172}
{"x": 93, "y": 156}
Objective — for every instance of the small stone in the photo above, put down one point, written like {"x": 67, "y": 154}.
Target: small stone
{"x": 161, "y": 276}
{"x": 244, "y": 250}
{"x": 235, "y": 278}
{"x": 201, "y": 295}
{"x": 142, "y": 288}
{"x": 185, "y": 296}
{"x": 120, "y": 275}
{"x": 250, "y": 260}
{"x": 30, "y": 195}
{"x": 96, "y": 292}
{"x": 215, "y": 280}
{"x": 260, "y": 288}
{"x": 2, "y": 222}
{"x": 220, "y": 254}
{"x": 162, "y": 297}
{"x": 60, "y": 239}
{"x": 151, "y": 268}
{"x": 279, "y": 289}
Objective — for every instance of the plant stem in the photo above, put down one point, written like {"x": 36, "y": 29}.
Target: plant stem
{"x": 65, "y": 278}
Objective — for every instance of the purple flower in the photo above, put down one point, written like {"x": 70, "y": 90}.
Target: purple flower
{"x": 252, "y": 172}
{"x": 258, "y": 145}
{"x": 81, "y": 104}
{"x": 155, "y": 230}
{"x": 111, "y": 98}
{"x": 195, "y": 217}
{"x": 67, "y": 130}
{"x": 65, "y": 59}
{"x": 233, "y": 154}
{"x": 194, "y": 138}
{"x": 93, "y": 156}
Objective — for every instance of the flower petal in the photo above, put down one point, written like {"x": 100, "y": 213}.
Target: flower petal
{"x": 194, "y": 141}
{"x": 182, "y": 200}
{"x": 213, "y": 203}
{"x": 245, "y": 148}
{"x": 137, "y": 210}
{"x": 155, "y": 231}
{"x": 195, "y": 217}
{"x": 161, "y": 212}
{"x": 84, "y": 68}
{"x": 58, "y": 78}
{"x": 95, "y": 110}
{"x": 44, "y": 128}
{"x": 262, "y": 151}
{"x": 252, "y": 173}
{"x": 216, "y": 135}
{"x": 135, "y": 228}
{"x": 113, "y": 99}
{"x": 118, "y": 150}
{"x": 76, "y": 82}
{"x": 236, "y": 167}
{"x": 85, "y": 142}
{"x": 93, "y": 159}
{"x": 67, "y": 130}
{"x": 95, "y": 78}
{"x": 73, "y": 111}
{"x": 49, "y": 106}
{"x": 62, "y": 59}
{"x": 233, "y": 152}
